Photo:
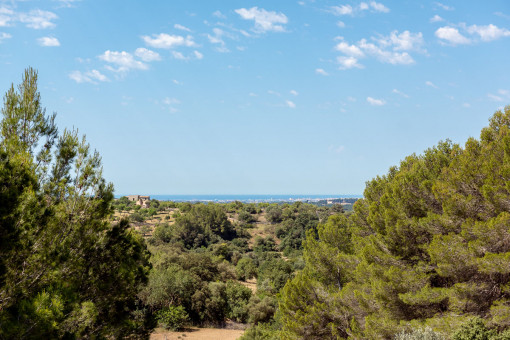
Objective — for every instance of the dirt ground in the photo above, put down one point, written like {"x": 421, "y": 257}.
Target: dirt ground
{"x": 198, "y": 334}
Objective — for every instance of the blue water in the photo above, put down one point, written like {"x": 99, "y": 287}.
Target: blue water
{"x": 245, "y": 198}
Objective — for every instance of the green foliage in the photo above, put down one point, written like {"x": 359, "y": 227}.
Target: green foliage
{"x": 65, "y": 271}
{"x": 238, "y": 297}
{"x": 273, "y": 274}
{"x": 261, "y": 309}
{"x": 274, "y": 213}
{"x": 246, "y": 269}
{"x": 428, "y": 245}
{"x": 262, "y": 331}
{"x": 420, "y": 334}
{"x": 172, "y": 317}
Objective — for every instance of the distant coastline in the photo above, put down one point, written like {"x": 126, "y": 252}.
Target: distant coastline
{"x": 247, "y": 198}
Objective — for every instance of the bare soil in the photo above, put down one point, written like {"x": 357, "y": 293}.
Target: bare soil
{"x": 198, "y": 334}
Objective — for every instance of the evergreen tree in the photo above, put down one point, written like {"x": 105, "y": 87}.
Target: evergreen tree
{"x": 65, "y": 271}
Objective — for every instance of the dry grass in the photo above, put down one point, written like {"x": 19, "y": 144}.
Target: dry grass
{"x": 198, "y": 334}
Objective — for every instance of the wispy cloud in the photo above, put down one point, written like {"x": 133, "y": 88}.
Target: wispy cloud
{"x": 218, "y": 14}
{"x": 488, "y": 32}
{"x": 4, "y": 36}
{"x": 88, "y": 77}
{"x": 443, "y": 6}
{"x": 147, "y": 55}
{"x": 67, "y": 3}
{"x": 265, "y": 21}
{"x": 477, "y": 33}
{"x": 501, "y": 96}
{"x": 436, "y": 18}
{"x": 6, "y": 16}
{"x": 290, "y": 104}
{"x": 294, "y": 92}
{"x": 400, "y": 93}
{"x": 182, "y": 28}
{"x": 363, "y": 6}
{"x": 431, "y": 84}
{"x": 164, "y": 40}
{"x": 123, "y": 61}
{"x": 392, "y": 49}
{"x": 48, "y": 41}
{"x": 38, "y": 19}
{"x": 376, "y": 102}
{"x": 321, "y": 72}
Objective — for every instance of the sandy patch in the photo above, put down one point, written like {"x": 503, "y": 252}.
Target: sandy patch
{"x": 198, "y": 334}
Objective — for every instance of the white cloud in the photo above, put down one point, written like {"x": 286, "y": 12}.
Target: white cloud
{"x": 38, "y": 19}
{"x": 503, "y": 95}
{"x": 48, "y": 41}
{"x": 385, "y": 56}
{"x": 123, "y": 60}
{"x": 400, "y": 93}
{"x": 363, "y": 6}
{"x": 164, "y": 40}
{"x": 290, "y": 104}
{"x": 4, "y": 36}
{"x": 375, "y": 102}
{"x": 198, "y": 55}
{"x": 431, "y": 84}
{"x": 217, "y": 39}
{"x": 67, "y": 3}
{"x": 147, "y": 55}
{"x": 88, "y": 77}
{"x": 264, "y": 20}
{"x": 495, "y": 98}
{"x": 6, "y": 16}
{"x": 436, "y": 18}
{"x": 179, "y": 55}
{"x": 182, "y": 28}
{"x": 274, "y": 93}
{"x": 488, "y": 32}
{"x": 405, "y": 41}
{"x": 392, "y": 49}
{"x": 466, "y": 105}
{"x": 342, "y": 10}
{"x": 321, "y": 72}
{"x": 340, "y": 24}
{"x": 218, "y": 14}
{"x": 294, "y": 92}
{"x": 445, "y": 7}
{"x": 348, "y": 62}
{"x": 378, "y": 7}
{"x": 350, "y": 50}
{"x": 451, "y": 35}
{"x": 170, "y": 101}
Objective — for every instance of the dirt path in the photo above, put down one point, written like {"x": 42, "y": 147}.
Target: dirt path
{"x": 199, "y": 334}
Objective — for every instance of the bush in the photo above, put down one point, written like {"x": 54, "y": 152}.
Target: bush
{"x": 420, "y": 334}
{"x": 246, "y": 269}
{"x": 237, "y": 300}
{"x": 474, "y": 330}
{"x": 136, "y": 217}
{"x": 261, "y": 310}
{"x": 246, "y": 217}
{"x": 173, "y": 317}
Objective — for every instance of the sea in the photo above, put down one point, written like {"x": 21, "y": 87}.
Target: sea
{"x": 246, "y": 198}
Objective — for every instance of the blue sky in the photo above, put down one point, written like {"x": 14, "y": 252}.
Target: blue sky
{"x": 260, "y": 97}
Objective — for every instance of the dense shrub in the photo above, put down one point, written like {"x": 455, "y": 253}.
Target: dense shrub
{"x": 172, "y": 317}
